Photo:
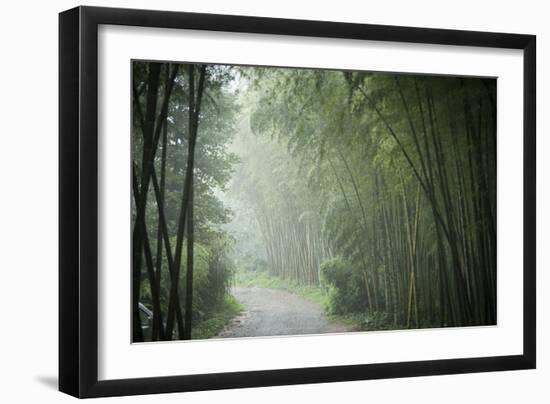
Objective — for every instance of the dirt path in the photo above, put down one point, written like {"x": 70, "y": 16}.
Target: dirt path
{"x": 271, "y": 312}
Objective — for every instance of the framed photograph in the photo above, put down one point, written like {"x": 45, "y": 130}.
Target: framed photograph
{"x": 251, "y": 201}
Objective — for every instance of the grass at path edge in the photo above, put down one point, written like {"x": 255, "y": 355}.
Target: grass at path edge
{"x": 262, "y": 279}
{"x": 214, "y": 323}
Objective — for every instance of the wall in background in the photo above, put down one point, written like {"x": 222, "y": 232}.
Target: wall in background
{"x": 28, "y": 213}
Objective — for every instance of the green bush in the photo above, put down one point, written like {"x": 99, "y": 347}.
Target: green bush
{"x": 212, "y": 274}
{"x": 347, "y": 293}
{"x": 213, "y": 271}
{"x": 212, "y": 325}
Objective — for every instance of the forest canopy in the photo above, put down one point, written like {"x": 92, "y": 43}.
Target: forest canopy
{"x": 376, "y": 189}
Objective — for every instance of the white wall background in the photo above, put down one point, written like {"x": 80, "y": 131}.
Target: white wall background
{"x": 28, "y": 206}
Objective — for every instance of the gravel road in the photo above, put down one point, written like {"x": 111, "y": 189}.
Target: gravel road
{"x": 269, "y": 312}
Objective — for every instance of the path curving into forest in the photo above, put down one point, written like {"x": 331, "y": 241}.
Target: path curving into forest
{"x": 269, "y": 312}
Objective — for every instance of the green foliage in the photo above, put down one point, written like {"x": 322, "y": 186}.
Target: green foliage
{"x": 212, "y": 325}
{"x": 369, "y": 321}
{"x": 344, "y": 281}
{"x": 213, "y": 272}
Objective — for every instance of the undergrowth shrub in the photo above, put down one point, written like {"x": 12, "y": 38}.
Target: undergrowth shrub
{"x": 347, "y": 293}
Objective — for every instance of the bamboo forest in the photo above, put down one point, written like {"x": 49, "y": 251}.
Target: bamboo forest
{"x": 284, "y": 201}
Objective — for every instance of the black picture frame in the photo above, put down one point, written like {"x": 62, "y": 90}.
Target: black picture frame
{"x": 78, "y": 201}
